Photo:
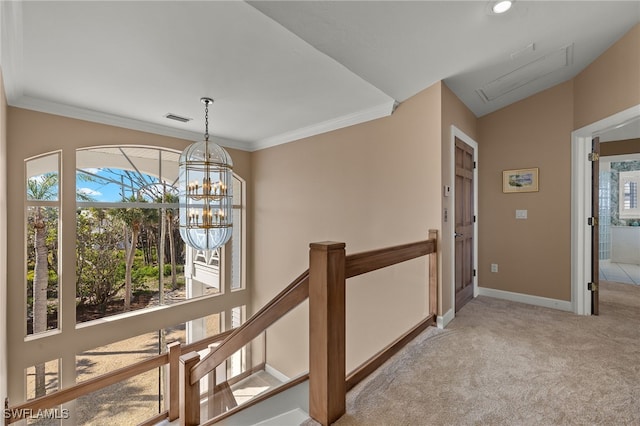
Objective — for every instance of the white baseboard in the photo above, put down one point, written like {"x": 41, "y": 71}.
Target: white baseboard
{"x": 442, "y": 321}
{"x": 275, "y": 373}
{"x": 546, "y": 302}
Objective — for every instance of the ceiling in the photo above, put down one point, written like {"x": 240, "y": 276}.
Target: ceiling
{"x": 280, "y": 71}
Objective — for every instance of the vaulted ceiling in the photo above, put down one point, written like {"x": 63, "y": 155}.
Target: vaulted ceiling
{"x": 282, "y": 70}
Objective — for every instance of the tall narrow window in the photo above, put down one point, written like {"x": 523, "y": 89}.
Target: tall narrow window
{"x": 628, "y": 198}
{"x": 237, "y": 361}
{"x": 43, "y": 212}
{"x": 630, "y": 195}
{"x": 236, "y": 243}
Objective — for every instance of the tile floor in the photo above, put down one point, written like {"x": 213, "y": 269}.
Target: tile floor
{"x": 619, "y": 272}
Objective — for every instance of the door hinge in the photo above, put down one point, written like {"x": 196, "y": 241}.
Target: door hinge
{"x": 474, "y": 218}
{"x": 592, "y": 286}
{"x": 474, "y": 272}
{"x": 594, "y": 156}
{"x": 475, "y": 165}
{"x": 593, "y": 221}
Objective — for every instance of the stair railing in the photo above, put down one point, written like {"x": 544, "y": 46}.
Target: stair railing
{"x": 171, "y": 357}
{"x": 324, "y": 284}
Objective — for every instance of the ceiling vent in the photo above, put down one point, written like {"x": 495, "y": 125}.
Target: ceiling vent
{"x": 526, "y": 74}
{"x": 178, "y": 118}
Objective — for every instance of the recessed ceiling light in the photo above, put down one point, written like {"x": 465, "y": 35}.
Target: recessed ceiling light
{"x": 501, "y": 6}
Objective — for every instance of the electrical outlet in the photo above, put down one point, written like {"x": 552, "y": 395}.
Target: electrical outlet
{"x": 494, "y": 267}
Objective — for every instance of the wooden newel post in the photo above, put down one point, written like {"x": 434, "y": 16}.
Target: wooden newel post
{"x": 327, "y": 364}
{"x": 433, "y": 275}
{"x": 189, "y": 394}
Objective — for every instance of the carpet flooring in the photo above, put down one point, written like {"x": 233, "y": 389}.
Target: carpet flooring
{"x": 506, "y": 363}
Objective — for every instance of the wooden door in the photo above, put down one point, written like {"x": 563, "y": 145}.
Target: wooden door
{"x": 595, "y": 228}
{"x": 464, "y": 223}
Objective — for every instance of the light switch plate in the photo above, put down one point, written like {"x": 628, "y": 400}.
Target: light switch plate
{"x": 521, "y": 214}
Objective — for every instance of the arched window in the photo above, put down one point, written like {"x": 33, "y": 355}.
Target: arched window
{"x": 132, "y": 273}
{"x": 129, "y": 252}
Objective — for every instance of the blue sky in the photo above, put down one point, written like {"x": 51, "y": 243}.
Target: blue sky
{"x": 106, "y": 185}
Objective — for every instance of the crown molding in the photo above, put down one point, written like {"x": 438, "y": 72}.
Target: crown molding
{"x": 11, "y": 47}
{"x": 69, "y": 111}
{"x": 11, "y": 63}
{"x": 358, "y": 117}
{"x": 64, "y": 110}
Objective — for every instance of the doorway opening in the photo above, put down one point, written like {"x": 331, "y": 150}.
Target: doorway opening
{"x": 581, "y": 202}
{"x": 619, "y": 248}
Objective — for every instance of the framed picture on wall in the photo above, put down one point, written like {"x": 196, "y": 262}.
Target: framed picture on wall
{"x": 520, "y": 180}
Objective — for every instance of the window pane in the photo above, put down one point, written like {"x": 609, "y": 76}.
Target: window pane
{"x": 629, "y": 177}
{"x": 42, "y": 269}
{"x": 128, "y": 173}
{"x": 43, "y": 178}
{"x": 129, "y": 256}
{"x": 237, "y": 236}
{"x": 237, "y": 360}
{"x": 118, "y": 262}
{"x": 236, "y": 250}
{"x": 206, "y": 273}
{"x": 200, "y": 328}
{"x": 237, "y": 191}
{"x": 42, "y": 379}
{"x": 127, "y": 402}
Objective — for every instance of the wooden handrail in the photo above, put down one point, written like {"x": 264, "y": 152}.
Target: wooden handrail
{"x": 329, "y": 268}
{"x": 234, "y": 339}
{"x": 78, "y": 390}
{"x": 298, "y": 291}
{"x": 294, "y": 294}
{"x": 74, "y": 392}
{"x": 361, "y": 263}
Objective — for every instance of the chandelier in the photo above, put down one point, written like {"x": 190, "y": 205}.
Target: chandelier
{"x": 205, "y": 185}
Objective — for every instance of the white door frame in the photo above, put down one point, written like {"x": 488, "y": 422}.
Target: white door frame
{"x": 457, "y": 133}
{"x": 581, "y": 205}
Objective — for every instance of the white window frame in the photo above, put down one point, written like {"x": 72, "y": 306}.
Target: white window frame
{"x": 628, "y": 177}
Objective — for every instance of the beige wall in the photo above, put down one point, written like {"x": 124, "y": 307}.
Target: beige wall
{"x": 454, "y": 113}
{"x": 611, "y": 83}
{"x": 371, "y": 185}
{"x": 3, "y": 242}
{"x": 32, "y": 133}
{"x": 533, "y": 255}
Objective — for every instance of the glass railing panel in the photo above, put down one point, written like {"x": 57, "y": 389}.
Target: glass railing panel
{"x": 268, "y": 362}
{"x": 129, "y": 402}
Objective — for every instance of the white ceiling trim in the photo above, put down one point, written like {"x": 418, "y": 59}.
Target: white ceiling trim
{"x": 119, "y": 121}
{"x": 69, "y": 111}
{"x": 363, "y": 116}
{"x": 11, "y": 47}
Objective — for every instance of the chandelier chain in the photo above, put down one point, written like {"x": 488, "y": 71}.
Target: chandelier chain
{"x": 206, "y": 121}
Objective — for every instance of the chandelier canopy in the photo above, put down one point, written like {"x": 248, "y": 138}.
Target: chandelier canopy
{"x": 205, "y": 192}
